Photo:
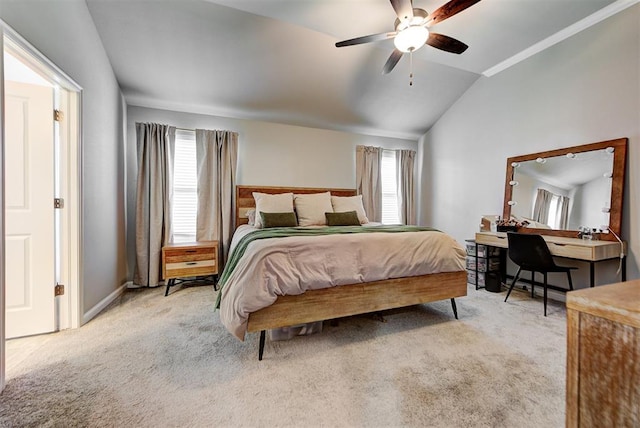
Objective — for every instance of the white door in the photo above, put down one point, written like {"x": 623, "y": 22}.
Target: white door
{"x": 29, "y": 211}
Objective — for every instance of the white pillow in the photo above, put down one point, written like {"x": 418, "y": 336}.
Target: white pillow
{"x": 350, "y": 203}
{"x": 310, "y": 208}
{"x": 251, "y": 217}
{"x": 266, "y": 203}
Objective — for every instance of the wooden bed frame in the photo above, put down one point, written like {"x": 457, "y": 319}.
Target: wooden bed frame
{"x": 345, "y": 300}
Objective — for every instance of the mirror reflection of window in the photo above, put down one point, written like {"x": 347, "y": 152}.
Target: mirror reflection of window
{"x": 558, "y": 212}
{"x": 551, "y": 209}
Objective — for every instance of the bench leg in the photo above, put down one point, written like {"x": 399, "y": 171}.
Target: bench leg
{"x": 261, "y": 348}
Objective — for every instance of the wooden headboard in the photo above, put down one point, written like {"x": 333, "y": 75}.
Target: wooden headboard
{"x": 245, "y": 201}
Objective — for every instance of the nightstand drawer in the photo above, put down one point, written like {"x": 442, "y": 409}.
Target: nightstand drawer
{"x": 190, "y": 268}
{"x": 188, "y": 255}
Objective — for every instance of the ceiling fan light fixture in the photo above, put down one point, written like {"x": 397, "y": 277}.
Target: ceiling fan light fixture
{"x": 412, "y": 31}
{"x": 411, "y": 38}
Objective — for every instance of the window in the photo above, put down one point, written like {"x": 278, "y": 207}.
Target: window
{"x": 554, "y": 212}
{"x": 390, "y": 214}
{"x": 185, "y": 187}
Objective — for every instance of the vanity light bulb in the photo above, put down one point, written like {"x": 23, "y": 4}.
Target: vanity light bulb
{"x": 512, "y": 203}
{"x": 541, "y": 160}
{"x": 610, "y": 149}
{"x": 515, "y": 164}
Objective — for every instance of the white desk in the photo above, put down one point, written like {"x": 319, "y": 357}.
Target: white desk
{"x": 571, "y": 248}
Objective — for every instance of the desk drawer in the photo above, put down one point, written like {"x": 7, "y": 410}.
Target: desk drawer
{"x": 493, "y": 240}
{"x": 571, "y": 251}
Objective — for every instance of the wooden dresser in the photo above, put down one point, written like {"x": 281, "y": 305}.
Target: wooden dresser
{"x": 189, "y": 259}
{"x": 603, "y": 356}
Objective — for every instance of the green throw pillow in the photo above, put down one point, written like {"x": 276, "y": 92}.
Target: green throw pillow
{"x": 279, "y": 219}
{"x": 347, "y": 218}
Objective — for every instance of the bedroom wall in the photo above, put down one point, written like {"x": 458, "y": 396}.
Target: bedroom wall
{"x": 269, "y": 154}
{"x": 582, "y": 90}
{"x": 64, "y": 32}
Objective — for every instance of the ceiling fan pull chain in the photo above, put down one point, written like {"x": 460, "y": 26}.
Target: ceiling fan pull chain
{"x": 411, "y": 68}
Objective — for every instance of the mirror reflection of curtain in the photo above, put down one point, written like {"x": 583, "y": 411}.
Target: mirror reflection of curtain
{"x": 563, "y": 212}
{"x": 406, "y": 193}
{"x": 541, "y": 206}
{"x": 369, "y": 180}
{"x": 216, "y": 163}
{"x": 156, "y": 151}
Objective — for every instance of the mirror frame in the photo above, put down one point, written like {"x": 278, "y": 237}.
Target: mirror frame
{"x": 617, "y": 185}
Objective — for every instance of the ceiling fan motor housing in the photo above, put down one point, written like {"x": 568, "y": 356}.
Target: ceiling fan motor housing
{"x": 412, "y": 32}
{"x": 419, "y": 18}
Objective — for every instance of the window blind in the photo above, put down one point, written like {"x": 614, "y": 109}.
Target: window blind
{"x": 390, "y": 214}
{"x": 185, "y": 187}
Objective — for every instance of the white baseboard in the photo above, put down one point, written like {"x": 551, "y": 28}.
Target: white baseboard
{"x": 91, "y": 313}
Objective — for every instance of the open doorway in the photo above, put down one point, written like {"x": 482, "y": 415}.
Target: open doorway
{"x": 41, "y": 194}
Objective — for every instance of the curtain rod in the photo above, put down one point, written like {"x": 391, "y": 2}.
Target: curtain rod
{"x": 193, "y": 130}
{"x": 186, "y": 129}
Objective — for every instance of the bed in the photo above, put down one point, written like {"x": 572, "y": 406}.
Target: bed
{"x": 345, "y": 299}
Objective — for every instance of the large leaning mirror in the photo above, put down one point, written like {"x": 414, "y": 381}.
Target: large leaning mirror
{"x": 560, "y": 192}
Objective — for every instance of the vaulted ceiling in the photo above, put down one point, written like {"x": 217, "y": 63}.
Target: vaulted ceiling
{"x": 276, "y": 60}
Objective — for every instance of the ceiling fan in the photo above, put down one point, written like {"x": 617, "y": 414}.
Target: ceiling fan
{"x": 412, "y": 30}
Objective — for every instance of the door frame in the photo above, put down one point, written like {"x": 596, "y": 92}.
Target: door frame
{"x": 68, "y": 306}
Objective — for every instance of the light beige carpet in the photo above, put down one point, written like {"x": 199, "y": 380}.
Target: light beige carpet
{"x": 155, "y": 361}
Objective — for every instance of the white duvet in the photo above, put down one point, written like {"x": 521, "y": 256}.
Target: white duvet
{"x": 292, "y": 265}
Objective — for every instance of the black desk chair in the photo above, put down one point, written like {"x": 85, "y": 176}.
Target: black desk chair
{"x": 530, "y": 252}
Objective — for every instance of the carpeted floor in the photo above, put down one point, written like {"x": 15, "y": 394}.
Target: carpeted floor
{"x": 155, "y": 361}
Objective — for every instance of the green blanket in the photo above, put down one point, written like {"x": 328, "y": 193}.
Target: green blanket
{"x": 283, "y": 232}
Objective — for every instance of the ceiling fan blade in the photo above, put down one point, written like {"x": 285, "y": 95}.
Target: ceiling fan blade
{"x": 403, "y": 8}
{"x": 392, "y": 61}
{"x": 446, "y": 43}
{"x": 366, "y": 39}
{"x": 447, "y": 10}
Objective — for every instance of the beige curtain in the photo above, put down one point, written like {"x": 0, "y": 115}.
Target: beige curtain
{"x": 217, "y": 160}
{"x": 156, "y": 150}
{"x": 368, "y": 180}
{"x": 541, "y": 206}
{"x": 406, "y": 191}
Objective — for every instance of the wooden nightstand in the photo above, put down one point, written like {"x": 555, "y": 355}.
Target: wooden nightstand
{"x": 189, "y": 259}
